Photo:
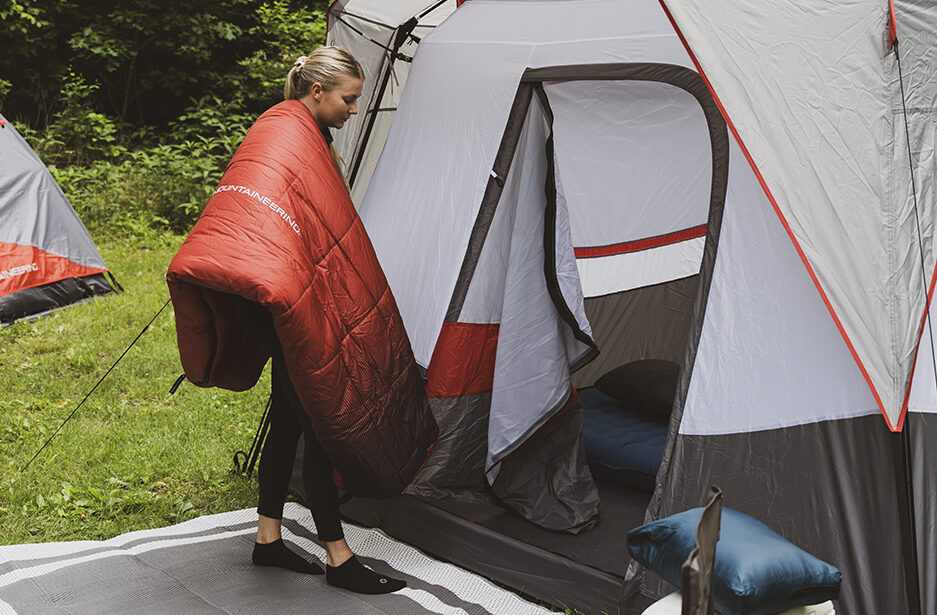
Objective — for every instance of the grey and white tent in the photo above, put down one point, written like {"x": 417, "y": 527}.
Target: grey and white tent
{"x": 47, "y": 258}
{"x": 746, "y": 189}
{"x": 383, "y": 37}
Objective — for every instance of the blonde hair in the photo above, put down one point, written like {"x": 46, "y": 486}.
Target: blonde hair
{"x": 326, "y": 66}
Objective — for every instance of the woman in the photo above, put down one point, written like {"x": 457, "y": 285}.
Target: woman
{"x": 328, "y": 82}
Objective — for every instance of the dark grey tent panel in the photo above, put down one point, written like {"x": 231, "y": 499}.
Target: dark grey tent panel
{"x": 499, "y": 545}
{"x": 813, "y": 502}
{"x": 40, "y": 300}
{"x": 922, "y": 429}
{"x": 646, "y": 323}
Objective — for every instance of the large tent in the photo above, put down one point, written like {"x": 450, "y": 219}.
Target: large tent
{"x": 383, "y": 37}
{"x": 746, "y": 190}
{"x": 47, "y": 258}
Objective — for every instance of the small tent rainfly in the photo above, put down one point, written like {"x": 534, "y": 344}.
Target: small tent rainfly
{"x": 745, "y": 189}
{"x": 383, "y": 37}
{"x": 47, "y": 258}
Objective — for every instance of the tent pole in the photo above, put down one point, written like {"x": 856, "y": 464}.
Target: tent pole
{"x": 431, "y": 9}
{"x": 913, "y": 584}
{"x": 402, "y": 32}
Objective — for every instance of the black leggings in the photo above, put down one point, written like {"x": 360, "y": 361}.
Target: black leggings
{"x": 287, "y": 421}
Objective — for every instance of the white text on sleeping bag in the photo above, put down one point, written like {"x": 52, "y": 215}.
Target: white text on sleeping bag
{"x": 263, "y": 200}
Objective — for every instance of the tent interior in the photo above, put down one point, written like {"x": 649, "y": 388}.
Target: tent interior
{"x": 616, "y": 226}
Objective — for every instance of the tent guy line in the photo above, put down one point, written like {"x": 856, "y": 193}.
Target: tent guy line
{"x": 917, "y": 213}
{"x": 106, "y": 374}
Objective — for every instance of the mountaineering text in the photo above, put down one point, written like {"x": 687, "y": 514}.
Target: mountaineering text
{"x": 12, "y": 272}
{"x": 260, "y": 199}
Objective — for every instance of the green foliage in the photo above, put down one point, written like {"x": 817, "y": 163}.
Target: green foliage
{"x": 136, "y": 108}
{"x": 22, "y": 17}
{"x": 139, "y": 106}
{"x": 116, "y": 497}
{"x": 298, "y": 30}
{"x": 77, "y": 134}
{"x": 150, "y": 59}
{"x": 5, "y": 87}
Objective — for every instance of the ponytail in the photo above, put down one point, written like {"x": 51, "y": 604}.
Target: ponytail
{"x": 326, "y": 66}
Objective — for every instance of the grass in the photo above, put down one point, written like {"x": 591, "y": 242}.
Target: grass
{"x": 133, "y": 456}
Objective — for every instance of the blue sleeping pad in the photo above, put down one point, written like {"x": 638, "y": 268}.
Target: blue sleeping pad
{"x": 622, "y": 445}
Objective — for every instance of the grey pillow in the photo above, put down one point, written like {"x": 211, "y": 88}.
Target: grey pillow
{"x": 647, "y": 386}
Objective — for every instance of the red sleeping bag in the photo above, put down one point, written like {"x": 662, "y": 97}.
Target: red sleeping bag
{"x": 280, "y": 238}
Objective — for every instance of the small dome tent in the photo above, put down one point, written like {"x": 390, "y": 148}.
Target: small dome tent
{"x": 47, "y": 258}
{"x": 571, "y": 185}
{"x": 383, "y": 36}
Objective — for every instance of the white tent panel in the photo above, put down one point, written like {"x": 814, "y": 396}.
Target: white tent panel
{"x": 567, "y": 271}
{"x": 532, "y": 364}
{"x": 430, "y": 132}
{"x": 770, "y": 355}
{"x": 471, "y": 72}
{"x": 372, "y": 151}
{"x": 583, "y": 21}
{"x": 621, "y": 153}
{"x": 33, "y": 208}
{"x": 611, "y": 274}
{"x": 824, "y": 154}
{"x": 484, "y": 299}
{"x": 663, "y": 48}
{"x": 917, "y": 37}
{"x": 924, "y": 387}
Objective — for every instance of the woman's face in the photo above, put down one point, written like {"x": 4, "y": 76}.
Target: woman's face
{"x": 335, "y": 106}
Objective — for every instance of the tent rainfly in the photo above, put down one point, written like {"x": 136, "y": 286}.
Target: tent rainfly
{"x": 47, "y": 258}
{"x": 383, "y": 36}
{"x": 745, "y": 189}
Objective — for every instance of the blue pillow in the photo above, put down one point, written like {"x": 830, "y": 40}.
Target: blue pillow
{"x": 757, "y": 572}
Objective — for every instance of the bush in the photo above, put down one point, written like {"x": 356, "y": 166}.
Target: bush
{"x": 150, "y": 190}
{"x": 142, "y": 180}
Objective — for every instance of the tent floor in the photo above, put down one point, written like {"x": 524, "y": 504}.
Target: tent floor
{"x": 582, "y": 571}
{"x": 603, "y": 547}
{"x": 203, "y": 567}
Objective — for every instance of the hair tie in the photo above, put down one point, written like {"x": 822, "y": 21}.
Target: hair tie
{"x": 300, "y": 61}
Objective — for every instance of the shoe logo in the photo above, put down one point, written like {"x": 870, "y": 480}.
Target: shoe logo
{"x": 383, "y": 580}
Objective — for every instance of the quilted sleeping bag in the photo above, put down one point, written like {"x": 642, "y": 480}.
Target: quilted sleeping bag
{"x": 280, "y": 240}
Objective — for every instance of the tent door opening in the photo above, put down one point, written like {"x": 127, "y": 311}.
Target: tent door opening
{"x": 630, "y": 163}
{"x": 597, "y": 230}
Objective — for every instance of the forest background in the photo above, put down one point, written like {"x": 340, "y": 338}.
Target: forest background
{"x": 135, "y": 106}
